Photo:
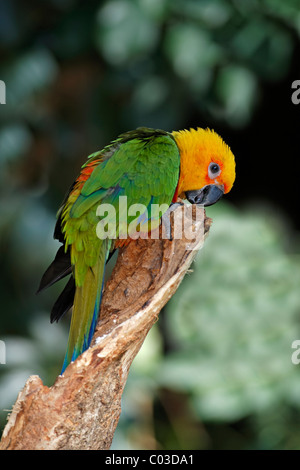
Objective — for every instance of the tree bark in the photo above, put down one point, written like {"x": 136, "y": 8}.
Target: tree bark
{"x": 82, "y": 408}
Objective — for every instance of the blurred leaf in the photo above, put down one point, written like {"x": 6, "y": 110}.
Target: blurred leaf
{"x": 287, "y": 11}
{"x": 15, "y": 141}
{"x": 124, "y": 31}
{"x": 237, "y": 90}
{"x": 213, "y": 13}
{"x": 150, "y": 94}
{"x": 265, "y": 46}
{"x": 191, "y": 49}
{"x": 28, "y": 74}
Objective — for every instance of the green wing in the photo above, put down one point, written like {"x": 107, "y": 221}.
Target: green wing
{"x": 142, "y": 165}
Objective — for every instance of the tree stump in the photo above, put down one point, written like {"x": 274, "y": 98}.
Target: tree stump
{"x": 82, "y": 408}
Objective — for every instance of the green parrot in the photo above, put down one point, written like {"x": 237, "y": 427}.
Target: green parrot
{"x": 147, "y": 167}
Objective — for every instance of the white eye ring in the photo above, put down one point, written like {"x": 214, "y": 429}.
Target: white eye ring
{"x": 214, "y": 170}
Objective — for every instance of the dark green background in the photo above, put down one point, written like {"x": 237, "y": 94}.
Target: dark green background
{"x": 215, "y": 372}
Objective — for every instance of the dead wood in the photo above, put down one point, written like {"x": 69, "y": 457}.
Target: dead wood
{"x": 81, "y": 410}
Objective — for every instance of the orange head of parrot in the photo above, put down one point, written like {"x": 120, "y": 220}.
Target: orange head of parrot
{"x": 207, "y": 166}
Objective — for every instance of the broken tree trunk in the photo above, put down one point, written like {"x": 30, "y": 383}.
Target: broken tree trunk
{"x": 81, "y": 410}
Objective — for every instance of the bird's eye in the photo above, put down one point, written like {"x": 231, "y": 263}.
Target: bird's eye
{"x": 214, "y": 170}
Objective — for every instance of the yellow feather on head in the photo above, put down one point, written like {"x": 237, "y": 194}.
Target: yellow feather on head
{"x": 198, "y": 148}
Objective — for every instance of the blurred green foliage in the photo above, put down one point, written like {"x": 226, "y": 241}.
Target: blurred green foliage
{"x": 216, "y": 371}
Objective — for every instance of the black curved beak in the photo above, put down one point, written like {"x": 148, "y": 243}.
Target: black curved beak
{"x": 208, "y": 195}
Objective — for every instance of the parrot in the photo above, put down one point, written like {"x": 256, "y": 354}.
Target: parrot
{"x": 147, "y": 166}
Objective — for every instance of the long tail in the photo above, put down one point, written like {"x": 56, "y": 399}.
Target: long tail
{"x": 86, "y": 308}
